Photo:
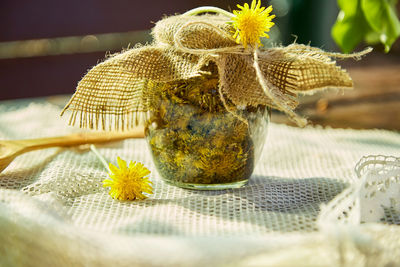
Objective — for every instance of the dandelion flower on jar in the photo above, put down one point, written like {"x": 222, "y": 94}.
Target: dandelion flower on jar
{"x": 252, "y": 23}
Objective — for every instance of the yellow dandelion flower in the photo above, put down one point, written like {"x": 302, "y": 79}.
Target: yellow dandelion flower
{"x": 252, "y": 23}
{"x": 128, "y": 183}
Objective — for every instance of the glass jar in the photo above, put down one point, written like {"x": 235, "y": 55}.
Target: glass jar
{"x": 196, "y": 142}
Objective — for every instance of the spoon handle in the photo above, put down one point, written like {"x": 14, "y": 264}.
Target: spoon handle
{"x": 78, "y": 139}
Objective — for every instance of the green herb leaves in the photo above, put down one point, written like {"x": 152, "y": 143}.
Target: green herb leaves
{"x": 373, "y": 21}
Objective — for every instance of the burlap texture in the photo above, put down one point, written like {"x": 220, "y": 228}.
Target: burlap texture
{"x": 114, "y": 93}
{"x": 195, "y": 32}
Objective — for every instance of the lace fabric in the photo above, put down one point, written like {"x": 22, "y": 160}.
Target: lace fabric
{"x": 308, "y": 203}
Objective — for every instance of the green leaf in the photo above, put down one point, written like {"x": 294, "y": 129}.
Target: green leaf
{"x": 351, "y": 26}
{"x": 346, "y": 35}
{"x": 381, "y": 16}
{"x": 349, "y": 7}
{"x": 372, "y": 37}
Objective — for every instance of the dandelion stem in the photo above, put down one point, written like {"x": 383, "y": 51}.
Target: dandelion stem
{"x": 204, "y": 9}
{"x": 100, "y": 157}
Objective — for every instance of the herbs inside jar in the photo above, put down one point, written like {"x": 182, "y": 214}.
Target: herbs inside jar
{"x": 199, "y": 142}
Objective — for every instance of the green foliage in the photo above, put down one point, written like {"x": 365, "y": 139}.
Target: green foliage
{"x": 372, "y": 21}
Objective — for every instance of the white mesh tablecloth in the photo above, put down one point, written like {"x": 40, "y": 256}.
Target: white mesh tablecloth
{"x": 303, "y": 206}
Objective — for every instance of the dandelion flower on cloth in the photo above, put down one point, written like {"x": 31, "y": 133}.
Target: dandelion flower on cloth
{"x": 128, "y": 183}
{"x": 252, "y": 23}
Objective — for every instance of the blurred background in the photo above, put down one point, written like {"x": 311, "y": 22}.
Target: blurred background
{"x": 46, "y": 47}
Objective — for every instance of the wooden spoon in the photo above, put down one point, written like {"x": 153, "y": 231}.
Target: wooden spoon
{"x": 10, "y": 149}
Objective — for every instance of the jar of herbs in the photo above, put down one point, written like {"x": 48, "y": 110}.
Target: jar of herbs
{"x": 198, "y": 139}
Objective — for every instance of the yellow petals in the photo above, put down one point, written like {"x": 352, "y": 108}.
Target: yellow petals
{"x": 252, "y": 23}
{"x": 128, "y": 183}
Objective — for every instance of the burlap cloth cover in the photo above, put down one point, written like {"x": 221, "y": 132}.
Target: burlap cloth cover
{"x": 303, "y": 206}
{"x": 114, "y": 94}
